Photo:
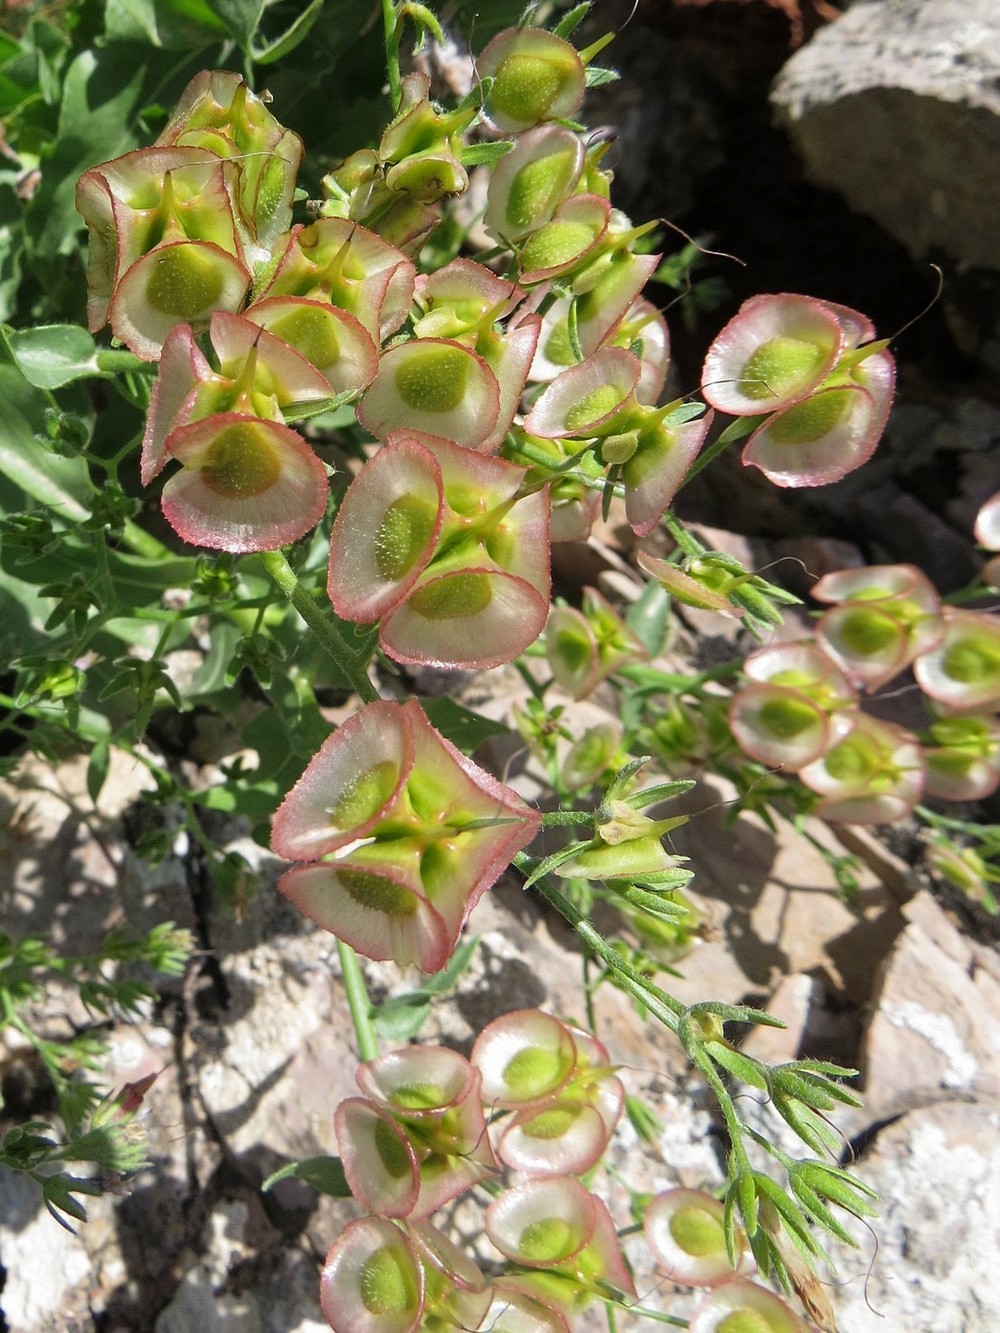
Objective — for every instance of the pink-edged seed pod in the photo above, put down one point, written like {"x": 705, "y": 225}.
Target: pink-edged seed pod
{"x": 775, "y": 351}
{"x": 436, "y": 386}
{"x": 372, "y": 1280}
{"x": 529, "y": 183}
{"x": 685, "y": 1229}
{"x": 743, "y": 1307}
{"x": 873, "y": 774}
{"x": 962, "y": 673}
{"x": 536, "y": 76}
{"x": 963, "y": 758}
{"x": 526, "y": 1057}
{"x": 781, "y": 727}
{"x": 246, "y": 484}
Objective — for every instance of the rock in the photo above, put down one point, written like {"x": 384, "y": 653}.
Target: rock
{"x": 46, "y": 1266}
{"x": 877, "y": 104}
{"x": 933, "y": 1035}
{"x": 937, "y": 1171}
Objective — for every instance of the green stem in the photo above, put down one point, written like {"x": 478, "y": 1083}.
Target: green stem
{"x": 347, "y": 660}
{"x": 358, "y": 1001}
{"x": 736, "y": 430}
{"x": 390, "y": 21}
{"x": 140, "y": 542}
{"x": 111, "y": 360}
{"x": 663, "y": 1006}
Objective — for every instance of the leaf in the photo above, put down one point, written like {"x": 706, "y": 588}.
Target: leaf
{"x": 597, "y": 75}
{"x": 294, "y": 34}
{"x": 241, "y": 17}
{"x": 569, "y": 22}
{"x": 59, "y": 483}
{"x": 745, "y": 1069}
{"x": 52, "y": 355}
{"x": 324, "y": 1174}
{"x": 173, "y": 24}
{"x": 475, "y": 154}
{"x": 465, "y": 729}
{"x": 649, "y": 617}
{"x": 403, "y": 1016}
{"x": 101, "y": 95}
{"x": 97, "y": 769}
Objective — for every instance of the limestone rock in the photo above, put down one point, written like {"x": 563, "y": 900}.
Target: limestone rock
{"x": 938, "y": 1173}
{"x": 933, "y": 1034}
{"x": 897, "y": 106}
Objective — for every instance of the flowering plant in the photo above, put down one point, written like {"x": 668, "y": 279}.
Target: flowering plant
{"x": 365, "y": 425}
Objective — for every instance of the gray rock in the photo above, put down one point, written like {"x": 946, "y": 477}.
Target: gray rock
{"x": 932, "y": 1037}
{"x": 897, "y": 106}
{"x": 938, "y": 1173}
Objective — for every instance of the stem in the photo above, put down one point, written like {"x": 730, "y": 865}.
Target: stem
{"x": 358, "y": 1001}
{"x": 333, "y": 643}
{"x": 140, "y": 542}
{"x": 657, "y": 1001}
{"x": 390, "y": 21}
{"x": 736, "y": 430}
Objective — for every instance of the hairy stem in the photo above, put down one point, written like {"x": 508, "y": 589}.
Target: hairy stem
{"x": 346, "y": 659}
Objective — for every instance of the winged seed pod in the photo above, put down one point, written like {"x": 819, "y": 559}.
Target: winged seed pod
{"x": 963, "y": 757}
{"x": 536, "y": 76}
{"x": 418, "y": 1137}
{"x": 438, "y": 544}
{"x": 554, "y": 1223}
{"x": 872, "y": 774}
{"x": 685, "y": 1230}
{"x": 165, "y": 243}
{"x": 812, "y": 368}
{"x": 741, "y": 1306}
{"x": 401, "y": 833}
{"x": 883, "y": 617}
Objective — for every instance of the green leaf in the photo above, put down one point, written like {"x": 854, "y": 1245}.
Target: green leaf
{"x": 403, "y": 1016}
{"x": 465, "y": 729}
{"x": 597, "y": 75}
{"x": 293, "y": 36}
{"x": 241, "y": 17}
{"x": 101, "y": 96}
{"x": 569, "y": 22}
{"x": 59, "y": 483}
{"x": 51, "y": 355}
{"x": 174, "y": 24}
{"x": 324, "y": 1174}
{"x": 745, "y": 1069}
{"x": 97, "y": 769}
{"x": 475, "y": 154}
{"x": 649, "y": 617}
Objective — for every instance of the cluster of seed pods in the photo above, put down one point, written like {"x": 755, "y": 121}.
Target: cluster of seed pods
{"x": 801, "y": 708}
{"x": 531, "y": 1112}
{"x": 502, "y": 400}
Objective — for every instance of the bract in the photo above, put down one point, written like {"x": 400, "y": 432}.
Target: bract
{"x": 685, "y": 1229}
{"x": 246, "y": 484}
{"x": 536, "y": 75}
{"x": 775, "y": 351}
{"x": 962, "y": 673}
{"x": 372, "y": 1280}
